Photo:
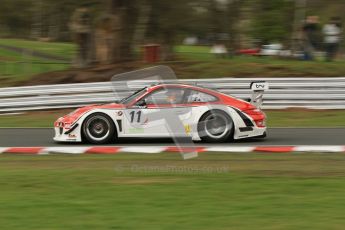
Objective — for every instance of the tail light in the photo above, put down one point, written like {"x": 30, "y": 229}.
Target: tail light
{"x": 257, "y": 115}
{"x": 260, "y": 123}
{"x": 253, "y": 112}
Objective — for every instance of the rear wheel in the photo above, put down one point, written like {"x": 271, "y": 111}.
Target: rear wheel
{"x": 215, "y": 126}
{"x": 98, "y": 128}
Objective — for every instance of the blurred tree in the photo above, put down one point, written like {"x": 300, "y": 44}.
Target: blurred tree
{"x": 144, "y": 12}
{"x": 104, "y": 33}
{"x": 217, "y": 18}
{"x": 233, "y": 17}
{"x": 16, "y": 20}
{"x": 81, "y": 28}
{"x": 124, "y": 13}
{"x": 164, "y": 22}
{"x": 272, "y": 20}
{"x": 170, "y": 19}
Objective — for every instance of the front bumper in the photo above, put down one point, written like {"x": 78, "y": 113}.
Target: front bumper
{"x": 62, "y": 136}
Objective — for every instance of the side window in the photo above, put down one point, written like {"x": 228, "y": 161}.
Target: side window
{"x": 197, "y": 96}
{"x": 166, "y": 96}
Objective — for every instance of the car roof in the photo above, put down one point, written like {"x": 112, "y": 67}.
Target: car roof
{"x": 177, "y": 85}
{"x": 186, "y": 86}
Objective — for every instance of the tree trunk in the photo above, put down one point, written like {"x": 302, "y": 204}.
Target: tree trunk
{"x": 123, "y": 32}
{"x": 142, "y": 23}
{"x": 168, "y": 46}
{"x": 234, "y": 9}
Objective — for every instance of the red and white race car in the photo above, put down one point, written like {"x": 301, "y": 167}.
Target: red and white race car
{"x": 203, "y": 114}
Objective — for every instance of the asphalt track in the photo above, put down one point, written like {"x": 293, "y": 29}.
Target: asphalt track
{"x": 28, "y": 137}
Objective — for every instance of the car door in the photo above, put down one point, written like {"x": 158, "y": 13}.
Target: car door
{"x": 158, "y": 114}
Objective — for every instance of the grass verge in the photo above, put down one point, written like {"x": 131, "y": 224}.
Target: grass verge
{"x": 66, "y": 50}
{"x": 15, "y": 67}
{"x": 242, "y": 66}
{"x": 214, "y": 191}
{"x": 276, "y": 118}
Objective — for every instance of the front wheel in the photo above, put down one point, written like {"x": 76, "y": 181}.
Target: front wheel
{"x": 215, "y": 126}
{"x": 98, "y": 128}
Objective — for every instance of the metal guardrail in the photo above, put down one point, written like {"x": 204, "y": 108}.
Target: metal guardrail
{"x": 313, "y": 93}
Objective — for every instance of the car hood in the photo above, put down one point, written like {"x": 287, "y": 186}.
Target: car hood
{"x": 76, "y": 114}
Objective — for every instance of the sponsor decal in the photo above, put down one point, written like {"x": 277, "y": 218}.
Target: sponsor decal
{"x": 259, "y": 86}
{"x": 187, "y": 129}
{"x": 136, "y": 130}
{"x": 72, "y": 136}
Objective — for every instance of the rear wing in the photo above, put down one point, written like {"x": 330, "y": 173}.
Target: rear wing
{"x": 258, "y": 88}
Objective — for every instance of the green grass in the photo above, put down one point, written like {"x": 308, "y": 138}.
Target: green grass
{"x": 15, "y": 67}
{"x": 209, "y": 66}
{"x": 201, "y": 53}
{"x": 275, "y": 118}
{"x": 6, "y": 55}
{"x": 214, "y": 191}
{"x": 306, "y": 118}
{"x": 66, "y": 50}
{"x": 44, "y": 119}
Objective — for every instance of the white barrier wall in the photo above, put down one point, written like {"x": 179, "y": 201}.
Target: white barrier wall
{"x": 313, "y": 93}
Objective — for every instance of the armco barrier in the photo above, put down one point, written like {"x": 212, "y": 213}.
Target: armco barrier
{"x": 313, "y": 93}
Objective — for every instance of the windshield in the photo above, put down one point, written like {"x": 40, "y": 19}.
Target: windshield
{"x": 131, "y": 97}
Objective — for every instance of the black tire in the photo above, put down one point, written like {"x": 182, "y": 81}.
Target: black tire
{"x": 98, "y": 128}
{"x": 215, "y": 126}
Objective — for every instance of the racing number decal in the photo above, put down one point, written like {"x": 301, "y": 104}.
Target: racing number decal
{"x": 133, "y": 116}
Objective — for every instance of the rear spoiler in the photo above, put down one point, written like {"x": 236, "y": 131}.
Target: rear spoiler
{"x": 258, "y": 88}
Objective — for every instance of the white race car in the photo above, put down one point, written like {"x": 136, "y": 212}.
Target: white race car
{"x": 167, "y": 110}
